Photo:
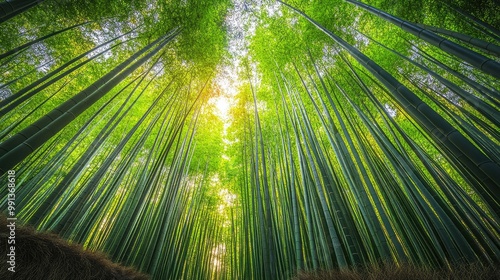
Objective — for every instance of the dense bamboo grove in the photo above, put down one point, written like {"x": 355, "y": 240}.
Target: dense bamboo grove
{"x": 256, "y": 139}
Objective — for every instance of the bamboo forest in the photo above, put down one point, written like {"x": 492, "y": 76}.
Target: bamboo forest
{"x": 255, "y": 139}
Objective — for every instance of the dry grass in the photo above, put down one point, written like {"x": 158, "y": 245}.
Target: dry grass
{"x": 406, "y": 272}
{"x": 47, "y": 256}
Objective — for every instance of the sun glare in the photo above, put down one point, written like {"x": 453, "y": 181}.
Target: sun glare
{"x": 225, "y": 100}
{"x": 222, "y": 105}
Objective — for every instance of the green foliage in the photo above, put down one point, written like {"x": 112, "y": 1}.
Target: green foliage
{"x": 331, "y": 156}
{"x": 208, "y": 140}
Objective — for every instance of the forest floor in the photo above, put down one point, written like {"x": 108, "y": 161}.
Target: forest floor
{"x": 406, "y": 272}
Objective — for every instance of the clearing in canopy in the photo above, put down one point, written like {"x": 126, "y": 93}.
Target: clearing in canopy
{"x": 256, "y": 139}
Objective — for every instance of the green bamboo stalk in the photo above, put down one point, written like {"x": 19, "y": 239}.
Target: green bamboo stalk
{"x": 485, "y": 27}
{"x": 10, "y": 102}
{"x": 54, "y": 114}
{"x": 484, "y": 108}
{"x": 77, "y": 168}
{"x": 484, "y": 45}
{"x": 10, "y": 9}
{"x": 479, "y": 61}
{"x": 299, "y": 263}
{"x": 5, "y": 132}
{"x": 25, "y": 46}
{"x": 490, "y": 93}
{"x": 66, "y": 112}
{"x": 469, "y": 157}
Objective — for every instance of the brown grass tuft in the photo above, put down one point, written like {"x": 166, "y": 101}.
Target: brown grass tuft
{"x": 48, "y": 256}
{"x": 406, "y": 272}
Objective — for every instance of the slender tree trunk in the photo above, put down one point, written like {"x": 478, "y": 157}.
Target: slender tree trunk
{"x": 18, "y": 147}
{"x": 24, "y": 46}
{"x": 91, "y": 188}
{"x": 485, "y": 27}
{"x": 265, "y": 210}
{"x": 479, "y": 61}
{"x": 78, "y": 167}
{"x": 486, "y": 46}
{"x": 484, "y": 108}
{"x": 466, "y": 156}
{"x": 9, "y": 9}
{"x": 30, "y": 89}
